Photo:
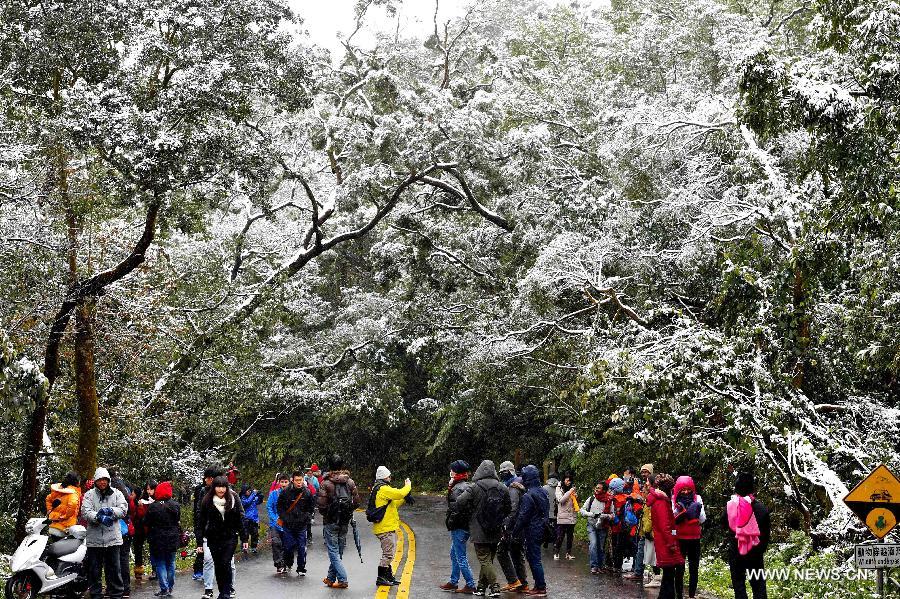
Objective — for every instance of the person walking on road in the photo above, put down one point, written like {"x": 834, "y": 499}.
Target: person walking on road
{"x": 550, "y": 490}
{"x": 510, "y": 552}
{"x": 295, "y": 507}
{"x": 665, "y": 543}
{"x": 162, "y": 523}
{"x": 251, "y": 498}
{"x": 387, "y": 505}
{"x": 598, "y": 512}
{"x": 313, "y": 483}
{"x": 689, "y": 518}
{"x": 487, "y": 500}
{"x": 220, "y": 522}
{"x": 748, "y": 528}
{"x": 337, "y": 499}
{"x": 531, "y": 522}
{"x": 203, "y": 566}
{"x": 458, "y": 524}
{"x": 276, "y": 531}
{"x": 102, "y": 508}
{"x": 141, "y": 505}
{"x": 566, "y": 497}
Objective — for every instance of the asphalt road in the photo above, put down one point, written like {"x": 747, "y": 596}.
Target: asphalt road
{"x": 424, "y": 565}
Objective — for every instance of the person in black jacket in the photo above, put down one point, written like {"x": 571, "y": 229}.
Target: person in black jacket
{"x": 458, "y": 525}
{"x": 203, "y": 568}
{"x": 295, "y": 508}
{"x": 220, "y": 521}
{"x": 531, "y": 522}
{"x": 162, "y": 523}
{"x": 737, "y": 515}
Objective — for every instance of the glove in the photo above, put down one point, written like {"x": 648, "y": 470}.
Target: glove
{"x": 56, "y": 503}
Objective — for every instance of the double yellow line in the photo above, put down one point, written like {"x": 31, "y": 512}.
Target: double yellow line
{"x": 406, "y": 538}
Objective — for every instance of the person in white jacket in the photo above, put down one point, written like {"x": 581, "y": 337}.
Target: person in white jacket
{"x": 565, "y": 515}
{"x": 102, "y": 508}
{"x": 597, "y": 510}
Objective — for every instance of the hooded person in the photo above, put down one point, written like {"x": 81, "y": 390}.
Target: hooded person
{"x": 63, "y": 503}
{"x": 102, "y": 508}
{"x": 747, "y": 527}
{"x": 566, "y": 500}
{"x": 388, "y": 500}
{"x": 510, "y": 551}
{"x": 550, "y": 490}
{"x": 251, "y": 498}
{"x": 487, "y": 501}
{"x": 163, "y": 532}
{"x": 531, "y": 522}
{"x": 457, "y": 523}
{"x": 338, "y": 497}
{"x": 690, "y": 515}
{"x": 665, "y": 542}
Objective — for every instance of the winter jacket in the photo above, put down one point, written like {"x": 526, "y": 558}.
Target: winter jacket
{"x": 297, "y": 518}
{"x": 326, "y": 492}
{"x": 597, "y": 511}
{"x": 664, "y": 541}
{"x": 565, "y": 507}
{"x": 272, "y": 509}
{"x": 763, "y": 520}
{"x": 456, "y": 519}
{"x": 200, "y": 492}
{"x": 516, "y": 491}
{"x": 469, "y": 501}
{"x": 65, "y": 514}
{"x": 689, "y": 516}
{"x": 140, "y": 514}
{"x": 163, "y": 522}
{"x": 534, "y": 506}
{"x": 393, "y": 498}
{"x": 313, "y": 484}
{"x": 251, "y": 512}
{"x": 218, "y": 529}
{"x": 98, "y": 534}
{"x": 550, "y": 490}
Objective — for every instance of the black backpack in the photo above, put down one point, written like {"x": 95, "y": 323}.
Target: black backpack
{"x": 341, "y": 508}
{"x": 494, "y": 507}
{"x": 374, "y": 514}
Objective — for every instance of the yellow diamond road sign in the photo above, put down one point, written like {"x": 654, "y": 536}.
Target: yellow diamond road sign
{"x": 876, "y": 500}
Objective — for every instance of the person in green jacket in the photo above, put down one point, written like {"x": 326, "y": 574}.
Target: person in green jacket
{"x": 386, "y": 529}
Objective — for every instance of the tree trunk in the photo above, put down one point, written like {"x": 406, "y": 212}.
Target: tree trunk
{"x": 802, "y": 326}
{"x": 86, "y": 390}
{"x": 29, "y": 466}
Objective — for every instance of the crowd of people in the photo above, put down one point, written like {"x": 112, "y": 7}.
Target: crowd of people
{"x": 652, "y": 520}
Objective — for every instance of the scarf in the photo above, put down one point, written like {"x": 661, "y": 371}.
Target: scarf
{"x": 459, "y": 476}
{"x": 219, "y": 503}
{"x": 600, "y": 495}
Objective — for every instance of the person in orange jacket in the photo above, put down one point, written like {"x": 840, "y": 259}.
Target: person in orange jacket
{"x": 63, "y": 504}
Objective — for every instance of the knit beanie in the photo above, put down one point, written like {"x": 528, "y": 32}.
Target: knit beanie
{"x": 616, "y": 486}
{"x": 382, "y": 473}
{"x": 648, "y": 468}
{"x": 459, "y": 466}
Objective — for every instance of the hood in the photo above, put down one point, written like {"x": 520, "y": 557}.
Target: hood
{"x": 163, "y": 491}
{"x": 553, "y": 480}
{"x": 57, "y": 487}
{"x": 486, "y": 470}
{"x": 616, "y": 486}
{"x": 101, "y": 473}
{"x": 684, "y": 482}
{"x": 244, "y": 488}
{"x": 339, "y": 477}
{"x": 531, "y": 477}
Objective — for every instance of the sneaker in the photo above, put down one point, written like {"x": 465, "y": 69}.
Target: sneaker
{"x": 467, "y": 590}
{"x": 522, "y": 588}
{"x": 632, "y": 576}
{"x": 479, "y": 591}
{"x": 570, "y": 556}
{"x": 301, "y": 573}
{"x": 254, "y": 551}
{"x": 654, "y": 583}
{"x": 509, "y": 588}
{"x": 449, "y": 588}
{"x": 536, "y": 593}
{"x": 494, "y": 591}
{"x": 207, "y": 594}
{"x": 161, "y": 594}
{"x": 595, "y": 570}
{"x": 555, "y": 556}
{"x": 197, "y": 576}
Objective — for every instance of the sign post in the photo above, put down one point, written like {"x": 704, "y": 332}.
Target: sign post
{"x": 876, "y": 500}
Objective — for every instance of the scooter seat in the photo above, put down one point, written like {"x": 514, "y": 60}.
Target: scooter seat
{"x": 63, "y": 547}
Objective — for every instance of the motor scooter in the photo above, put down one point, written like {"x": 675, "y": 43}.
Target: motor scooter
{"x": 43, "y": 568}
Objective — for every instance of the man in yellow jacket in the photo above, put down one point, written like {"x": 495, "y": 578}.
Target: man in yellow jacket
{"x": 387, "y": 500}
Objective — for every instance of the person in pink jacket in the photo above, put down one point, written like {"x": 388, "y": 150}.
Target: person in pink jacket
{"x": 687, "y": 506}
{"x": 665, "y": 542}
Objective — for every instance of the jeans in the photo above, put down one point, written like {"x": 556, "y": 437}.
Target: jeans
{"x": 459, "y": 559}
{"x": 487, "y": 576}
{"x": 639, "y": 558}
{"x": 209, "y": 567}
{"x": 277, "y": 543}
{"x": 294, "y": 541}
{"x": 597, "y": 545}
{"x": 164, "y": 565}
{"x": 512, "y": 561}
{"x": 102, "y": 559}
{"x": 335, "y": 542}
{"x": 223, "y": 563}
{"x": 690, "y": 549}
{"x": 533, "y": 554}
{"x": 739, "y": 566}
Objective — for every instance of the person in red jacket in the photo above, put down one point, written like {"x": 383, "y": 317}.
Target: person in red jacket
{"x": 668, "y": 553}
{"x": 687, "y": 506}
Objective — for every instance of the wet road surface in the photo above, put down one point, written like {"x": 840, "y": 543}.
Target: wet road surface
{"x": 423, "y": 566}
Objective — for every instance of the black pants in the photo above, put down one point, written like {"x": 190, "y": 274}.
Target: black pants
{"x": 512, "y": 561}
{"x": 102, "y": 559}
{"x": 564, "y": 531}
{"x": 690, "y": 549}
{"x": 252, "y": 530}
{"x": 222, "y": 554}
{"x": 739, "y": 567}
{"x": 667, "y": 585}
{"x": 623, "y": 548}
{"x": 125, "y": 564}
{"x": 277, "y": 543}
{"x": 137, "y": 545}
{"x": 552, "y": 526}
{"x": 198, "y": 559}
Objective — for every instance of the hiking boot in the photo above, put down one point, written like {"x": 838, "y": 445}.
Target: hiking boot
{"x": 340, "y": 585}
{"x": 207, "y": 594}
{"x": 390, "y": 571}
{"x": 522, "y": 588}
{"x": 467, "y": 590}
{"x": 382, "y": 580}
{"x": 447, "y": 587}
{"x": 536, "y": 593}
{"x": 328, "y": 582}
{"x": 510, "y": 587}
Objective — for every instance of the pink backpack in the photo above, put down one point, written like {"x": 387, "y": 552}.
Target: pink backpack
{"x": 742, "y": 522}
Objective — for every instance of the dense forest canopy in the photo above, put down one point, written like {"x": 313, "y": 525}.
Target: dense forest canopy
{"x": 657, "y": 231}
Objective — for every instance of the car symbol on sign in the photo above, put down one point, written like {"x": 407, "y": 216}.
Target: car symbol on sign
{"x": 882, "y": 496}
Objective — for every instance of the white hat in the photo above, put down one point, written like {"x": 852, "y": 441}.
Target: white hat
{"x": 507, "y": 466}
{"x": 101, "y": 473}
{"x": 382, "y": 473}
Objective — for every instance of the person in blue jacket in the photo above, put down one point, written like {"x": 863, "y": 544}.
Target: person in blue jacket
{"x": 251, "y": 498}
{"x": 275, "y": 530}
{"x": 530, "y": 525}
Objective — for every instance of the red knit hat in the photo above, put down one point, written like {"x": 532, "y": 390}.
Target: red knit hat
{"x": 163, "y": 491}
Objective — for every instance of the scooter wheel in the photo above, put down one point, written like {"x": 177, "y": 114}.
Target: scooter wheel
{"x": 23, "y": 585}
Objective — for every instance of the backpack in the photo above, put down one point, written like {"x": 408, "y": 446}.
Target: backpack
{"x": 341, "y": 508}
{"x": 631, "y": 519}
{"x": 375, "y": 514}
{"x": 494, "y": 507}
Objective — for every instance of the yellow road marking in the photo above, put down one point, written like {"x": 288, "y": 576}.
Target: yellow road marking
{"x": 383, "y": 592}
{"x": 406, "y": 580}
